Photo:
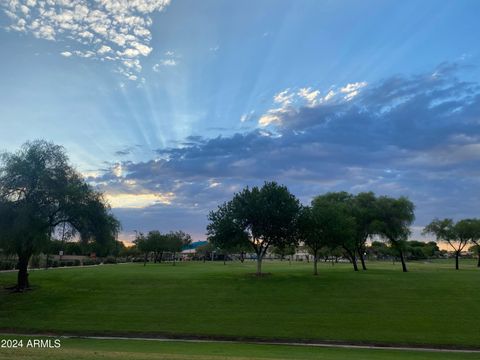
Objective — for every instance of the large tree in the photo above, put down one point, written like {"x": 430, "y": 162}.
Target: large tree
{"x": 393, "y": 220}
{"x": 457, "y": 235}
{"x": 39, "y": 192}
{"x": 263, "y": 216}
{"x": 336, "y": 222}
{"x": 224, "y": 233}
{"x": 364, "y": 210}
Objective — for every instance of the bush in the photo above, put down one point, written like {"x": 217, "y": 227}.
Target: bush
{"x": 53, "y": 263}
{"x": 7, "y": 264}
{"x": 89, "y": 262}
{"x": 110, "y": 260}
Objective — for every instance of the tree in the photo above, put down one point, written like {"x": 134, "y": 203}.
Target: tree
{"x": 475, "y": 237}
{"x": 310, "y": 233}
{"x": 380, "y": 250}
{"x": 457, "y": 235}
{"x": 143, "y": 245}
{"x": 393, "y": 220}
{"x": 176, "y": 241}
{"x": 158, "y": 244}
{"x": 336, "y": 223}
{"x": 40, "y": 191}
{"x": 364, "y": 210}
{"x": 224, "y": 234}
{"x": 263, "y": 216}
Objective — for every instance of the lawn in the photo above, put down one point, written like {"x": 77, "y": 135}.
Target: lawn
{"x": 432, "y": 304}
{"x": 83, "y": 349}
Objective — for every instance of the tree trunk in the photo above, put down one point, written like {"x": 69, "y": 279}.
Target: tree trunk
{"x": 315, "y": 268}
{"x": 161, "y": 256}
{"x": 404, "y": 266}
{"x": 145, "y": 259}
{"x": 353, "y": 258}
{"x": 478, "y": 254}
{"x": 242, "y": 257}
{"x": 362, "y": 259}
{"x": 174, "y": 258}
{"x": 259, "y": 265}
{"x": 22, "y": 279}
{"x": 457, "y": 255}
{"x": 204, "y": 258}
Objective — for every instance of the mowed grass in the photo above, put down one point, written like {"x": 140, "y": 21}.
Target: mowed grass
{"x": 432, "y": 304}
{"x": 86, "y": 349}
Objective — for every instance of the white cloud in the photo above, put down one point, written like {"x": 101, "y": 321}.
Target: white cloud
{"x": 352, "y": 90}
{"x": 284, "y": 97}
{"x": 247, "y": 116}
{"x": 138, "y": 201}
{"x": 66, "y": 53}
{"x": 312, "y": 97}
{"x": 288, "y": 102}
{"x": 166, "y": 62}
{"x": 115, "y": 30}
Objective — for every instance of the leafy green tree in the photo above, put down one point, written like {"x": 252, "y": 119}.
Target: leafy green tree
{"x": 143, "y": 245}
{"x": 456, "y": 235}
{"x": 224, "y": 233}
{"x": 475, "y": 237}
{"x": 336, "y": 222}
{"x": 364, "y": 211}
{"x": 263, "y": 216}
{"x": 176, "y": 241}
{"x": 157, "y": 244}
{"x": 40, "y": 191}
{"x": 393, "y": 220}
{"x": 380, "y": 250}
{"x": 310, "y": 233}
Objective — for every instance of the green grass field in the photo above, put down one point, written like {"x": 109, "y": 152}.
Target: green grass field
{"x": 432, "y": 304}
{"x": 82, "y": 349}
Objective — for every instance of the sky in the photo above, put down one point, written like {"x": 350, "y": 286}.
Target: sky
{"x": 169, "y": 107}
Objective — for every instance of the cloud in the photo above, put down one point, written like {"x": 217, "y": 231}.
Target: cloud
{"x": 138, "y": 201}
{"x": 247, "y": 116}
{"x": 108, "y": 30}
{"x": 288, "y": 102}
{"x": 312, "y": 97}
{"x": 415, "y": 135}
{"x": 165, "y": 62}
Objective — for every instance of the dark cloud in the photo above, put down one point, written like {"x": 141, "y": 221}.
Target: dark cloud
{"x": 407, "y": 135}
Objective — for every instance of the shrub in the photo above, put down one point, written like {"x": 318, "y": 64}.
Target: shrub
{"x": 7, "y": 264}
{"x": 110, "y": 260}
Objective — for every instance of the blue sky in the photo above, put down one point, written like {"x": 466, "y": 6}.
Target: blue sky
{"x": 169, "y": 107}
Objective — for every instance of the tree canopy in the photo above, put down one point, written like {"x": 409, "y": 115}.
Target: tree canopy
{"x": 263, "y": 217}
{"x": 39, "y": 191}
